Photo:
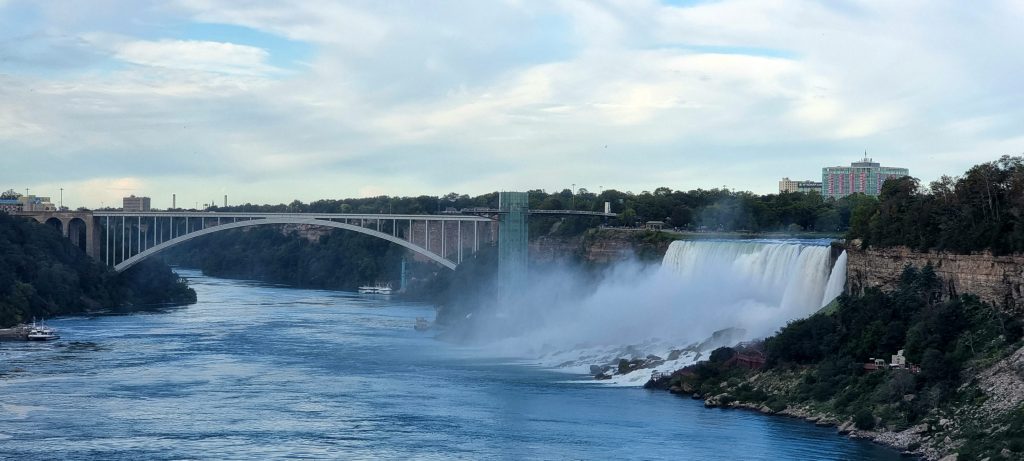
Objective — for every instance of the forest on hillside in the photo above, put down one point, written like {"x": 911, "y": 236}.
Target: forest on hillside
{"x": 337, "y": 259}
{"x": 42, "y": 274}
{"x": 981, "y": 210}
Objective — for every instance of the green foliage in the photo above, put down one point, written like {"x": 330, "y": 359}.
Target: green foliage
{"x": 982, "y": 210}
{"x": 981, "y": 443}
{"x": 699, "y": 209}
{"x": 722, "y": 354}
{"x": 943, "y": 337}
{"x": 864, "y": 420}
{"x": 42, "y": 274}
{"x": 337, "y": 260}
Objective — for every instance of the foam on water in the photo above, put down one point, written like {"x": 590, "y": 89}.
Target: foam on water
{"x": 752, "y": 287}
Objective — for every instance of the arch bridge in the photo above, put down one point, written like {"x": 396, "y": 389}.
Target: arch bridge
{"x": 123, "y": 238}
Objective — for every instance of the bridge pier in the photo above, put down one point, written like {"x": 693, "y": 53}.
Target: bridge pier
{"x": 77, "y": 226}
{"x": 513, "y": 245}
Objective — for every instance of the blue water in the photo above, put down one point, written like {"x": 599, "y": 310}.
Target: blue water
{"x": 257, "y": 372}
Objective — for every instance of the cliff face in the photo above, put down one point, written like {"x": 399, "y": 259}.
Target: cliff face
{"x": 995, "y": 279}
{"x": 600, "y": 247}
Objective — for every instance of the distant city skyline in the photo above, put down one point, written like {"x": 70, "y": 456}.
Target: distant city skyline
{"x": 268, "y": 102}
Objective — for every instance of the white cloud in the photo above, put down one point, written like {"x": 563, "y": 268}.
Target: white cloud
{"x": 433, "y": 97}
{"x": 227, "y": 58}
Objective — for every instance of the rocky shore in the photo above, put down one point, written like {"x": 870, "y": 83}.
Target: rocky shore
{"x": 999, "y": 388}
{"x": 18, "y": 333}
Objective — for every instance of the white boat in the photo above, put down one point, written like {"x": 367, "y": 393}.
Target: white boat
{"x": 41, "y": 332}
{"x": 376, "y": 289}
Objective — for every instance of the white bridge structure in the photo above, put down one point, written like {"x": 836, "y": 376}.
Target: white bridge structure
{"x": 158, "y": 231}
{"x": 122, "y": 239}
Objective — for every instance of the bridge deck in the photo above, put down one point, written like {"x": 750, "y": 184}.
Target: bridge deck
{"x": 247, "y": 215}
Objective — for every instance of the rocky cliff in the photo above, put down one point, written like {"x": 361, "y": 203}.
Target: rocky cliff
{"x": 600, "y": 246}
{"x": 995, "y": 279}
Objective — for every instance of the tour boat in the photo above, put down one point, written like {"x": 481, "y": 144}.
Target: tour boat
{"x": 41, "y": 332}
{"x": 376, "y": 289}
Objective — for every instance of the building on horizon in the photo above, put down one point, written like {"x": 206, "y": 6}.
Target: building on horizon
{"x": 133, "y": 203}
{"x": 33, "y": 203}
{"x": 789, "y": 185}
{"x": 865, "y": 177}
{"x": 10, "y": 205}
{"x": 9, "y": 202}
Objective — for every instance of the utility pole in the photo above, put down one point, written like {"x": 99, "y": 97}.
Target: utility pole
{"x": 574, "y": 196}
{"x": 61, "y": 198}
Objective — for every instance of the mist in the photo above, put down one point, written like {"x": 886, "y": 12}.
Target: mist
{"x": 567, "y": 319}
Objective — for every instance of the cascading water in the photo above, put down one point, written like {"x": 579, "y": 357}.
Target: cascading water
{"x": 796, "y": 277}
{"x": 836, "y": 280}
{"x": 751, "y": 286}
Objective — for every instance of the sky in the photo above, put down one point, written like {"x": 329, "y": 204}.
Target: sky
{"x": 271, "y": 101}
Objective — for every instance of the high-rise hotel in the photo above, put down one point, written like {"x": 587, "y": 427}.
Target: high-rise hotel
{"x": 865, "y": 176}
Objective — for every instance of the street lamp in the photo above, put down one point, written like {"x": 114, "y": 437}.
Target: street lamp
{"x": 61, "y": 198}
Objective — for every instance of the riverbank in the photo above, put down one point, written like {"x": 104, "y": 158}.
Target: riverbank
{"x": 17, "y": 333}
{"x": 955, "y": 385}
{"x": 908, "y": 442}
{"x": 44, "y": 275}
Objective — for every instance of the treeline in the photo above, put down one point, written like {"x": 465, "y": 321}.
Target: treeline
{"x": 42, "y": 274}
{"x": 336, "y": 259}
{"x": 981, "y": 210}
{"x": 714, "y": 209}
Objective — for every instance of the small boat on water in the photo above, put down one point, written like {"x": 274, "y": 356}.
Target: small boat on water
{"x": 41, "y": 332}
{"x": 376, "y": 289}
{"x": 422, "y": 324}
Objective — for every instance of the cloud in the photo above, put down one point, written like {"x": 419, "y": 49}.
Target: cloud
{"x": 428, "y": 97}
{"x": 227, "y": 58}
{"x": 313, "y": 21}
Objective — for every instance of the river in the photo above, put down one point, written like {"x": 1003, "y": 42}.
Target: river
{"x": 255, "y": 371}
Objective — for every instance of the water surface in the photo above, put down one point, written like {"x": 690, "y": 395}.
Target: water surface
{"x": 255, "y": 372}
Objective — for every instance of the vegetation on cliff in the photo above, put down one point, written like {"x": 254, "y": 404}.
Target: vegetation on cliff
{"x": 818, "y": 363}
{"x": 337, "y": 259}
{"x": 42, "y": 274}
{"x": 981, "y": 210}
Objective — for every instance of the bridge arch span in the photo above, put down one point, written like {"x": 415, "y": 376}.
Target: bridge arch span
{"x": 58, "y": 224}
{"x": 123, "y": 265}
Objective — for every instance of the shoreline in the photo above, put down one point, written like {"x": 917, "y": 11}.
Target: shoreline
{"x": 15, "y": 333}
{"x": 900, "y": 441}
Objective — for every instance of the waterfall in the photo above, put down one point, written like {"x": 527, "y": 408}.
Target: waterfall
{"x": 701, "y": 287}
{"x": 836, "y": 281}
{"x": 785, "y": 279}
